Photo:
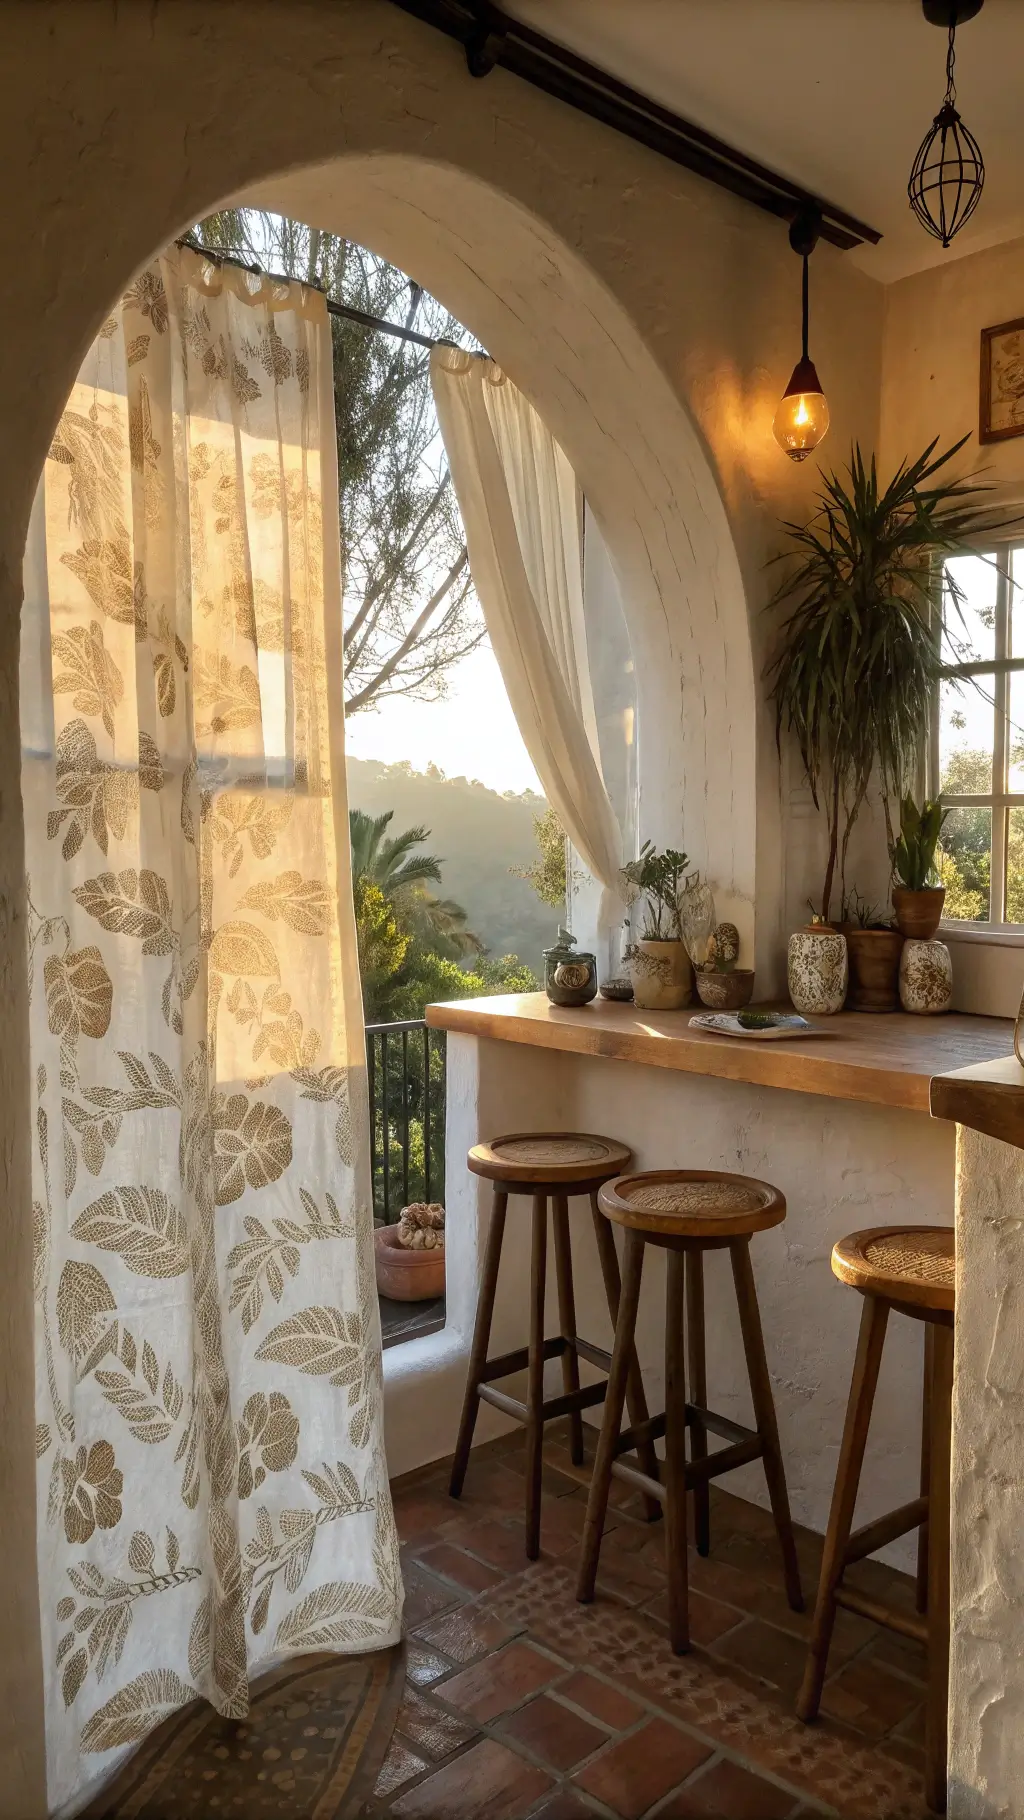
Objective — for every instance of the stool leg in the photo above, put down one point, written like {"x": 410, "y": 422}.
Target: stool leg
{"x": 535, "y": 1376}
{"x": 478, "y": 1351}
{"x": 675, "y": 1457}
{"x": 874, "y": 1318}
{"x": 764, "y": 1415}
{"x": 600, "y": 1484}
{"x": 926, "y": 1468}
{"x": 567, "y": 1318}
{"x": 698, "y": 1375}
{"x": 936, "y": 1706}
{"x": 636, "y": 1401}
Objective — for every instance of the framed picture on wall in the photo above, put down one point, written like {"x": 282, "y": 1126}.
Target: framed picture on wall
{"x": 1002, "y": 382}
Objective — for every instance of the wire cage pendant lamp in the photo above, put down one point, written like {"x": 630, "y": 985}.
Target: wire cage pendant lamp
{"x": 948, "y": 174}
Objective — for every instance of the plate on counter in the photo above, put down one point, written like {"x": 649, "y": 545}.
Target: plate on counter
{"x": 771, "y": 1027}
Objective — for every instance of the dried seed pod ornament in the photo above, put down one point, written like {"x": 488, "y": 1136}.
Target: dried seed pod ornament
{"x": 421, "y": 1226}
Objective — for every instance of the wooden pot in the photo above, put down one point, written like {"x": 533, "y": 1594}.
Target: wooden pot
{"x": 918, "y": 913}
{"x": 726, "y": 991}
{"x": 874, "y": 968}
{"x": 405, "y": 1275}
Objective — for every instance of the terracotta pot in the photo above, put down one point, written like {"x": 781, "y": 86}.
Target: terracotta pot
{"x": 726, "y": 991}
{"x": 404, "y": 1275}
{"x": 874, "y": 968}
{"x": 661, "y": 974}
{"x": 817, "y": 970}
{"x": 926, "y": 978}
{"x": 918, "y": 913}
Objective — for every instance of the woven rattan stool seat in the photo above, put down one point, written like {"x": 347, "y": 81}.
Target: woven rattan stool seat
{"x": 693, "y": 1204}
{"x": 529, "y": 1157}
{"x": 913, "y": 1266}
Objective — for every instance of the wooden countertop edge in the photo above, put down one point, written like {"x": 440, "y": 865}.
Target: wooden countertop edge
{"x": 779, "y": 1065}
{"x": 988, "y": 1097}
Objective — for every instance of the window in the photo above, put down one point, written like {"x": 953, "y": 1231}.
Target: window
{"x": 977, "y": 745}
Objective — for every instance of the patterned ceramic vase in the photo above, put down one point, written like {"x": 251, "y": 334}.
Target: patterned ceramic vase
{"x": 661, "y": 974}
{"x": 818, "y": 970}
{"x": 926, "y": 978}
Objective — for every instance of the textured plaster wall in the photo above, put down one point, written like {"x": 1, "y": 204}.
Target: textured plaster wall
{"x": 986, "y": 1768}
{"x": 653, "y": 318}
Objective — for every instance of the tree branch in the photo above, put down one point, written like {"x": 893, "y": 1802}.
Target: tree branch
{"x": 411, "y": 638}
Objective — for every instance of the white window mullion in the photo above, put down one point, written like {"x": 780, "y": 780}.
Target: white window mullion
{"x": 1000, "y": 758}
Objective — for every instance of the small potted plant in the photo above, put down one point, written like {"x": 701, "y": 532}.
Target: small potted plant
{"x": 409, "y": 1256}
{"x": 917, "y": 895}
{"x": 714, "y": 949}
{"x": 874, "y": 948}
{"x": 658, "y": 963}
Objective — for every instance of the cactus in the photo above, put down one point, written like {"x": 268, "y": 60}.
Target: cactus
{"x": 913, "y": 856}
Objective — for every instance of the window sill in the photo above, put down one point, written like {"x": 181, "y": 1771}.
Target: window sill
{"x": 989, "y": 935}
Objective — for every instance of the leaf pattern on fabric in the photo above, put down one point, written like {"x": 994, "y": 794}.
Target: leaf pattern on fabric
{"x": 200, "y": 1202}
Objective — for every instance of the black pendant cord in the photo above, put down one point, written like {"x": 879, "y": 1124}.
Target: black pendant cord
{"x": 806, "y": 302}
{"x": 950, "y": 62}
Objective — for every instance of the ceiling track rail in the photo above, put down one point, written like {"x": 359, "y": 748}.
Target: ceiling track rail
{"x": 491, "y": 39}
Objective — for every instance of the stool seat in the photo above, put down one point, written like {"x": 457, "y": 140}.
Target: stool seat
{"x": 913, "y": 1267}
{"x": 528, "y": 1158}
{"x": 701, "y": 1204}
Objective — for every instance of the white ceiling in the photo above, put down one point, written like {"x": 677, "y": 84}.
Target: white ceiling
{"x": 834, "y": 94}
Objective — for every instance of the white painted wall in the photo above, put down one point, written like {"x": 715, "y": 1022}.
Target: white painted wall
{"x": 840, "y": 1165}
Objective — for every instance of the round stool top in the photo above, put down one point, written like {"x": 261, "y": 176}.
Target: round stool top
{"x": 692, "y": 1204}
{"x": 549, "y": 1156}
{"x": 912, "y": 1264}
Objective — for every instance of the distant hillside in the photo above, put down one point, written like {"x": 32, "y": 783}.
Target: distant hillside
{"x": 478, "y": 834}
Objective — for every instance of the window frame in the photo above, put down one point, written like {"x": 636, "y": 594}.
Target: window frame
{"x": 1000, "y": 800}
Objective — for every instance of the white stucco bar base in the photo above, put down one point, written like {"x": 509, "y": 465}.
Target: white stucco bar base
{"x": 986, "y": 1759}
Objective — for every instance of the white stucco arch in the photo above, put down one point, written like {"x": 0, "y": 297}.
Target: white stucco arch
{"x": 561, "y": 334}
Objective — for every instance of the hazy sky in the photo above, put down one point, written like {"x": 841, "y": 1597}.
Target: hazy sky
{"x": 471, "y": 733}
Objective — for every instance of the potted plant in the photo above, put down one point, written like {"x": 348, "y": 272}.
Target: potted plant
{"x": 917, "y": 895}
{"x": 658, "y": 963}
{"x": 409, "y": 1256}
{"x": 874, "y": 948}
{"x": 714, "y": 949}
{"x": 857, "y": 660}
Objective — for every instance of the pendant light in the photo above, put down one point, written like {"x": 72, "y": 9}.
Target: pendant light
{"x": 801, "y": 419}
{"x": 948, "y": 174}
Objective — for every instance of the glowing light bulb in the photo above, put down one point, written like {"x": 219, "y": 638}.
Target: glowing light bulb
{"x": 801, "y": 419}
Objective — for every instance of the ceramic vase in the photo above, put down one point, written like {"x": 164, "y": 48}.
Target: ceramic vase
{"x": 726, "y": 991}
{"x": 818, "y": 971}
{"x": 926, "y": 978}
{"x": 874, "y": 961}
{"x": 918, "y": 913}
{"x": 661, "y": 974}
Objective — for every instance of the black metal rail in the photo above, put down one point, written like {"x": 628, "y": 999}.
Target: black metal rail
{"x": 405, "y": 1066}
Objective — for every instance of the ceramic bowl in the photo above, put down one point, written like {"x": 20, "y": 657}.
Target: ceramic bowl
{"x": 404, "y": 1275}
{"x": 726, "y": 991}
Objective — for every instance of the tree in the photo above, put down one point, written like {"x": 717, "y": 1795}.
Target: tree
{"x": 547, "y": 874}
{"x": 401, "y": 874}
{"x": 410, "y": 611}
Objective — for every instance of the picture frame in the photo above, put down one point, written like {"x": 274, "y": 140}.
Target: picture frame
{"x": 1001, "y": 404}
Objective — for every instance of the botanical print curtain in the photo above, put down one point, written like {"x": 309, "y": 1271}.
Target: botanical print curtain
{"x": 520, "y": 505}
{"x": 212, "y": 1483}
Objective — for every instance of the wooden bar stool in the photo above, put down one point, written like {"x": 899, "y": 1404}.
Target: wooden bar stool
{"x": 688, "y": 1212}
{"x": 549, "y": 1166}
{"x": 910, "y": 1269}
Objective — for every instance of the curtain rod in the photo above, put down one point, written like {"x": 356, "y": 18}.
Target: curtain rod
{"x": 347, "y": 310}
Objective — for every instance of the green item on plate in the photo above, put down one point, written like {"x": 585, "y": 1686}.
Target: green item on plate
{"x": 756, "y": 1020}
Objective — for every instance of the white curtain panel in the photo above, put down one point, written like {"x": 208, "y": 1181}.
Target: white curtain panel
{"x": 521, "y": 508}
{"x": 212, "y": 1484}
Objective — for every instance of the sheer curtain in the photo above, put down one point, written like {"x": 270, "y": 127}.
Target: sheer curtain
{"x": 522, "y": 511}
{"x": 212, "y": 1483}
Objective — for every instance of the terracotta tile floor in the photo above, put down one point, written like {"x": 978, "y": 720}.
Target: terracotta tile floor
{"x": 522, "y": 1703}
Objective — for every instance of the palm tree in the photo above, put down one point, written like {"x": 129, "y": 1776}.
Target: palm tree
{"x": 401, "y": 874}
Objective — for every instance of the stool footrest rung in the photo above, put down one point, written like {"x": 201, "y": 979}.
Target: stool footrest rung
{"x": 550, "y": 1410}
{"x": 631, "y": 1475}
{"x": 883, "y": 1530}
{"x": 698, "y": 1472}
{"x": 594, "y": 1355}
{"x": 508, "y": 1362}
{"x": 906, "y": 1623}
{"x": 716, "y": 1425}
{"x": 631, "y": 1439}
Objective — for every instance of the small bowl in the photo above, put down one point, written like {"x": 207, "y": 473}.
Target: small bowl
{"x": 726, "y": 991}
{"x": 405, "y": 1275}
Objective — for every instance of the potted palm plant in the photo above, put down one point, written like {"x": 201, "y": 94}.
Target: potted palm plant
{"x": 918, "y": 896}
{"x": 658, "y": 963}
{"x": 857, "y": 657}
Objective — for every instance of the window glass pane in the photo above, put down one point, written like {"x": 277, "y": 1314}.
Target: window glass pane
{"x": 1015, "y": 617}
{"x": 1015, "y": 868}
{"x": 966, "y": 727}
{"x": 969, "y": 610}
{"x": 1015, "y": 731}
{"x": 964, "y": 861}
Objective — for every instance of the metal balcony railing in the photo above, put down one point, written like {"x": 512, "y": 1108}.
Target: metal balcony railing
{"x": 406, "y": 1076}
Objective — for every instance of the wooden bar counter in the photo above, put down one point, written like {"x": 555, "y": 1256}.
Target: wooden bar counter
{"x": 884, "y": 1060}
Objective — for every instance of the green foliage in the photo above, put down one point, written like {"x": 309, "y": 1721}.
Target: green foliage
{"x": 389, "y": 863}
{"x": 859, "y": 914}
{"x": 658, "y": 878}
{"x": 547, "y": 875}
{"x": 857, "y": 663}
{"x": 382, "y": 944}
{"x": 914, "y": 853}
